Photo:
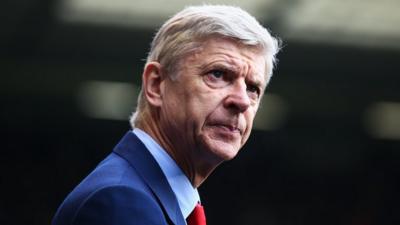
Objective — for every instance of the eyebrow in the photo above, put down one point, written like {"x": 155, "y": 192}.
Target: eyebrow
{"x": 221, "y": 65}
{"x": 234, "y": 69}
{"x": 257, "y": 82}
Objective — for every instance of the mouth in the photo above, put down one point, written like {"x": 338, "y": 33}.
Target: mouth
{"x": 229, "y": 128}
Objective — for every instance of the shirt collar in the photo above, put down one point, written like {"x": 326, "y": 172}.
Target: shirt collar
{"x": 186, "y": 194}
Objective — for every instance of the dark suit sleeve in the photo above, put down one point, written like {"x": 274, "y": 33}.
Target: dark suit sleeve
{"x": 120, "y": 205}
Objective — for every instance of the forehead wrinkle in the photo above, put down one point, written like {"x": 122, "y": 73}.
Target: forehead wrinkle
{"x": 233, "y": 62}
{"x": 257, "y": 73}
{"x": 243, "y": 66}
{"x": 219, "y": 60}
{"x": 234, "y": 58}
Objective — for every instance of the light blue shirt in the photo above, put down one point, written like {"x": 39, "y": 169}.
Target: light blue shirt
{"x": 187, "y": 195}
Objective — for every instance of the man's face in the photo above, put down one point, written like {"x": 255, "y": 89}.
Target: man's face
{"x": 209, "y": 109}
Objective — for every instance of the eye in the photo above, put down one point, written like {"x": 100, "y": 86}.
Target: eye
{"x": 217, "y": 78}
{"x": 217, "y": 73}
{"x": 254, "y": 90}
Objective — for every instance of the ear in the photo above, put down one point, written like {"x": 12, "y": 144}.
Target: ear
{"x": 152, "y": 83}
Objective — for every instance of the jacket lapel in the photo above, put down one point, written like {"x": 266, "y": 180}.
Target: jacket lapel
{"x": 135, "y": 152}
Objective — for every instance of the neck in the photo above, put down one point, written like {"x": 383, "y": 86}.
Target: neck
{"x": 195, "y": 169}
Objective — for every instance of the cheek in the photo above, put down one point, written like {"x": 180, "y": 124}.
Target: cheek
{"x": 195, "y": 108}
{"x": 199, "y": 110}
{"x": 205, "y": 101}
{"x": 249, "y": 117}
{"x": 251, "y": 113}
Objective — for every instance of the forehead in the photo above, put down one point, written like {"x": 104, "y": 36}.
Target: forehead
{"x": 226, "y": 51}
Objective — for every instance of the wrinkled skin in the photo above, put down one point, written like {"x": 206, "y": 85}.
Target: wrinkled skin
{"x": 206, "y": 114}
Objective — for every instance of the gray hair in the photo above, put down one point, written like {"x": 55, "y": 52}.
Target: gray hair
{"x": 185, "y": 31}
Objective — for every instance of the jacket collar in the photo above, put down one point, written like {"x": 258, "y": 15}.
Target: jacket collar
{"x": 134, "y": 151}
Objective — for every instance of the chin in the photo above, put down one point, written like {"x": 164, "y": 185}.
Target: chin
{"x": 224, "y": 151}
{"x": 217, "y": 149}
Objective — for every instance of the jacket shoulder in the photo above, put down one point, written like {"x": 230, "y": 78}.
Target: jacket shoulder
{"x": 120, "y": 204}
{"x": 113, "y": 193}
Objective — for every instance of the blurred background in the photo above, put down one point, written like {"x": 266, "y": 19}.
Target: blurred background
{"x": 325, "y": 149}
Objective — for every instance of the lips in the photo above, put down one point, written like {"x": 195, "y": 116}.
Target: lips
{"x": 228, "y": 127}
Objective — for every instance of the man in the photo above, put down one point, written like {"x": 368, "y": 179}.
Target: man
{"x": 202, "y": 83}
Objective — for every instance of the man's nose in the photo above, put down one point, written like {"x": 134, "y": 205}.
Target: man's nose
{"x": 238, "y": 98}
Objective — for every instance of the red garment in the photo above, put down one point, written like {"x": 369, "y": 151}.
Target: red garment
{"x": 197, "y": 217}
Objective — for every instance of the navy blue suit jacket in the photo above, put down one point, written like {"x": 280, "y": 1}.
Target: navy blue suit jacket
{"x": 126, "y": 188}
